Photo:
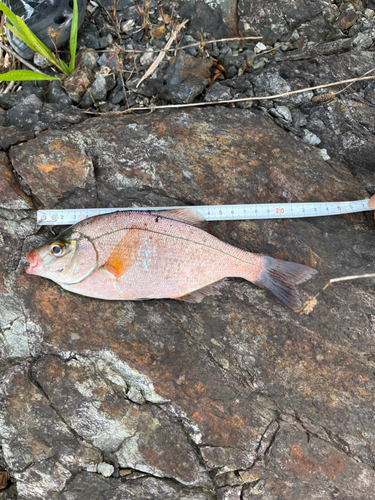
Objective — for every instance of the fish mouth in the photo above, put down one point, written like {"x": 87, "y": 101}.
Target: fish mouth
{"x": 34, "y": 260}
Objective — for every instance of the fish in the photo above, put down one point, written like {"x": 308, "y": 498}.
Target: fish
{"x": 136, "y": 255}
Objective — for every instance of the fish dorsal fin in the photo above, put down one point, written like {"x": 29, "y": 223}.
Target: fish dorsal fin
{"x": 199, "y": 295}
{"x": 187, "y": 215}
{"x": 124, "y": 255}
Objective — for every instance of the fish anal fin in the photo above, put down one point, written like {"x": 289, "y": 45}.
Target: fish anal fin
{"x": 199, "y": 295}
{"x": 124, "y": 255}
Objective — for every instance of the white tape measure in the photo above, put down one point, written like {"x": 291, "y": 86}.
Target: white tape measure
{"x": 218, "y": 212}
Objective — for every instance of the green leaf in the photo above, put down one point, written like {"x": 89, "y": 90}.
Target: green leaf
{"x": 28, "y": 37}
{"x": 21, "y": 31}
{"x": 24, "y": 75}
{"x": 73, "y": 37}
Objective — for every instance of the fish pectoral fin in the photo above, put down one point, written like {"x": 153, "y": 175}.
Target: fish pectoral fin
{"x": 124, "y": 255}
{"x": 116, "y": 271}
{"x": 199, "y": 295}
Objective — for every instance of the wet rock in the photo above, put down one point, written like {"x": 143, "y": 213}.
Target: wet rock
{"x": 187, "y": 69}
{"x": 25, "y": 115}
{"x": 109, "y": 60}
{"x": 142, "y": 438}
{"x": 363, "y": 41}
{"x": 231, "y": 72}
{"x": 88, "y": 36}
{"x": 346, "y": 20}
{"x": 86, "y": 59}
{"x": 10, "y": 136}
{"x": 201, "y": 16}
{"x": 54, "y": 169}
{"x": 146, "y": 488}
{"x": 7, "y": 101}
{"x": 255, "y": 18}
{"x": 321, "y": 49}
{"x": 97, "y": 92}
{"x": 218, "y": 92}
{"x": 298, "y": 461}
{"x": 220, "y": 391}
{"x": 275, "y": 81}
{"x": 11, "y": 195}
{"x": 186, "y": 78}
{"x": 56, "y": 94}
{"x": 311, "y": 138}
{"x": 78, "y": 82}
{"x": 35, "y": 438}
{"x": 182, "y": 93}
{"x": 106, "y": 470}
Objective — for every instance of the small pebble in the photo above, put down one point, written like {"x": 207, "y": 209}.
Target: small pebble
{"x": 147, "y": 57}
{"x": 260, "y": 47}
{"x": 259, "y": 63}
{"x": 323, "y": 153}
{"x": 135, "y": 396}
{"x": 105, "y": 469}
{"x": 127, "y": 27}
{"x": 311, "y": 138}
{"x": 284, "y": 111}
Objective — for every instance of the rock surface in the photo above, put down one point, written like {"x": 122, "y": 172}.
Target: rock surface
{"x": 233, "y": 398}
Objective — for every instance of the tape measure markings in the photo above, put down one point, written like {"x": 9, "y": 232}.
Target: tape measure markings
{"x": 217, "y": 212}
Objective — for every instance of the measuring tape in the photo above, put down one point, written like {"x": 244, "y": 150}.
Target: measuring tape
{"x": 218, "y": 212}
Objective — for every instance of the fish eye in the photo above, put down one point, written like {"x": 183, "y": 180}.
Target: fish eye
{"x": 58, "y": 249}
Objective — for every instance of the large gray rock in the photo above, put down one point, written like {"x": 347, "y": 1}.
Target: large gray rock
{"x": 235, "y": 397}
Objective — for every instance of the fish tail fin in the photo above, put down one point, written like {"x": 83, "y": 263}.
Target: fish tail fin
{"x": 279, "y": 277}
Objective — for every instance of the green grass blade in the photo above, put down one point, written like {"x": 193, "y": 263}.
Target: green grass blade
{"x": 65, "y": 68}
{"x": 73, "y": 37}
{"x": 23, "y": 75}
{"x": 22, "y": 31}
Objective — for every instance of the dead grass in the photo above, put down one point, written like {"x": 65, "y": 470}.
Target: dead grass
{"x": 309, "y": 305}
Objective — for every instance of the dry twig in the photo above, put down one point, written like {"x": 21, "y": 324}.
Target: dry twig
{"x": 26, "y": 63}
{"x": 309, "y": 305}
{"x": 244, "y": 99}
{"x": 160, "y": 57}
{"x": 190, "y": 45}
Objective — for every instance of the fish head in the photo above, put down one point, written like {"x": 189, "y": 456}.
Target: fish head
{"x": 67, "y": 259}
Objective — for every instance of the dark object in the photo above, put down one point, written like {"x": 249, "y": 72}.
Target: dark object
{"x": 41, "y": 16}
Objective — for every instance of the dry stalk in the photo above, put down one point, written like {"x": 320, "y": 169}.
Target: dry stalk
{"x": 191, "y": 45}
{"x": 9, "y": 87}
{"x": 309, "y": 305}
{"x": 26, "y": 63}
{"x": 162, "y": 53}
{"x": 113, "y": 18}
{"x": 245, "y": 99}
{"x": 122, "y": 80}
{"x": 347, "y": 86}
